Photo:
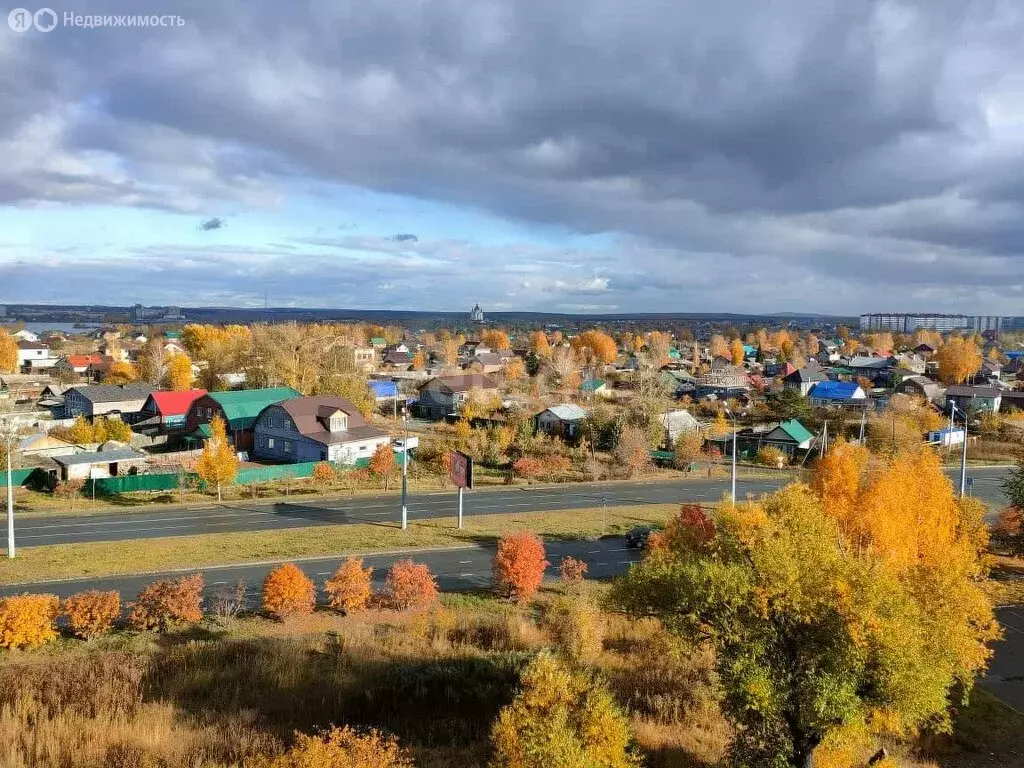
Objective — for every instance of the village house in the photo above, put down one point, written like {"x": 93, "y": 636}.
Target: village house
{"x": 803, "y": 379}
{"x": 238, "y": 409}
{"x": 967, "y": 399}
{"x": 23, "y": 386}
{"x": 305, "y": 429}
{"x": 165, "y": 411}
{"x": 675, "y": 423}
{"x": 444, "y": 395}
{"x": 837, "y": 394}
{"x": 485, "y": 362}
{"x": 79, "y": 365}
{"x": 34, "y": 355}
{"x": 99, "y": 464}
{"x": 25, "y": 335}
{"x": 562, "y": 421}
{"x": 122, "y": 400}
{"x": 592, "y": 388}
{"x": 920, "y": 386}
{"x": 45, "y": 446}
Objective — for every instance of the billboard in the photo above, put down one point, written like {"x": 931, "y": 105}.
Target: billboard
{"x": 460, "y": 469}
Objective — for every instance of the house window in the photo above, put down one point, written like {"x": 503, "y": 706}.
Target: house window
{"x": 362, "y": 447}
{"x": 338, "y": 423}
{"x": 270, "y": 442}
{"x": 287, "y": 446}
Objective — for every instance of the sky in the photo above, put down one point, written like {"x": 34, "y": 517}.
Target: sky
{"x": 578, "y": 156}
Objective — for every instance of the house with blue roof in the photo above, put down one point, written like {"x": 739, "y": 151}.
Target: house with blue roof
{"x": 830, "y": 394}
{"x": 563, "y": 421}
{"x": 384, "y": 390}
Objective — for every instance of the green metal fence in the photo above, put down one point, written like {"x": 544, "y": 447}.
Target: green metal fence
{"x": 107, "y": 486}
{"x": 18, "y": 476}
{"x": 251, "y": 475}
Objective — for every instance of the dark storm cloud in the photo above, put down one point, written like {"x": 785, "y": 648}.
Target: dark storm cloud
{"x": 211, "y": 224}
{"x": 782, "y": 154}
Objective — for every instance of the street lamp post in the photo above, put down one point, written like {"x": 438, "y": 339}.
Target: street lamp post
{"x": 963, "y": 452}
{"x": 734, "y": 432}
{"x": 10, "y": 503}
{"x": 405, "y": 469}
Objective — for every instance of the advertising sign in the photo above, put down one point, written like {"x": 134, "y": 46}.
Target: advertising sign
{"x": 461, "y": 470}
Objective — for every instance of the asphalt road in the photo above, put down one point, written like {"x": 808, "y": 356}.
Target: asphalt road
{"x": 456, "y": 569}
{"x": 309, "y": 511}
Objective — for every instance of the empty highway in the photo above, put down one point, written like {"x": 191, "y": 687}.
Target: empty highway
{"x": 308, "y": 510}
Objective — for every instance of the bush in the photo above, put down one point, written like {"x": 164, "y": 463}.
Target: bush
{"x": 350, "y": 588}
{"x": 572, "y": 570}
{"x": 579, "y": 628}
{"x": 323, "y": 476}
{"x": 287, "y": 591}
{"x": 528, "y": 467}
{"x": 410, "y": 585}
{"x": 341, "y": 748}
{"x": 27, "y": 621}
{"x": 771, "y": 456}
{"x": 168, "y": 602}
{"x": 518, "y": 565}
{"x": 92, "y": 613}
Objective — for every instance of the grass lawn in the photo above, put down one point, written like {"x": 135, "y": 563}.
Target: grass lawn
{"x": 109, "y": 558}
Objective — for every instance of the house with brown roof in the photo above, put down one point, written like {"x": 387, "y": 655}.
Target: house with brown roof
{"x": 443, "y": 395}
{"x": 306, "y": 429}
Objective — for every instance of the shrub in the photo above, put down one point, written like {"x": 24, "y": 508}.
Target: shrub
{"x": 410, "y": 585}
{"x": 92, "y": 613}
{"x": 27, "y": 621}
{"x": 69, "y": 490}
{"x": 1008, "y": 531}
{"x": 323, "y": 476}
{"x": 771, "y": 456}
{"x": 168, "y": 602}
{"x": 341, "y": 748}
{"x": 572, "y": 570}
{"x": 561, "y": 718}
{"x": 518, "y": 565}
{"x": 528, "y": 467}
{"x": 229, "y": 601}
{"x": 287, "y": 591}
{"x": 579, "y": 628}
{"x": 350, "y": 588}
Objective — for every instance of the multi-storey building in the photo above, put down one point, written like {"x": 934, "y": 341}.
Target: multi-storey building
{"x": 900, "y": 322}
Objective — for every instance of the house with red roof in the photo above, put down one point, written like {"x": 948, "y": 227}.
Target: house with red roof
{"x": 167, "y": 410}
{"x": 82, "y": 364}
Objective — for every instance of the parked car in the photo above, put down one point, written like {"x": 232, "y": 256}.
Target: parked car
{"x": 637, "y": 537}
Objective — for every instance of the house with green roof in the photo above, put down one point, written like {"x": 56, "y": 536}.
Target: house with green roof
{"x": 594, "y": 388}
{"x": 790, "y": 436}
{"x": 238, "y": 409}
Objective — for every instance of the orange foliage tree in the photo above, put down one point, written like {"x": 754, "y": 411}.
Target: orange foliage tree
{"x": 410, "y": 585}
{"x": 323, "y": 476}
{"x": 92, "y": 613}
{"x": 8, "y": 353}
{"x": 596, "y": 346}
{"x": 633, "y": 450}
{"x": 658, "y": 345}
{"x": 495, "y": 338}
{"x": 341, "y": 748}
{"x": 287, "y": 591}
{"x": 528, "y": 467}
{"x": 958, "y": 359}
{"x": 736, "y": 352}
{"x": 518, "y": 565}
{"x": 27, "y": 621}
{"x": 121, "y": 372}
{"x": 383, "y": 464}
{"x": 165, "y": 603}
{"x": 350, "y": 589}
{"x": 539, "y": 345}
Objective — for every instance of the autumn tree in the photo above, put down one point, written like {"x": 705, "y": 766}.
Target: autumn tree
{"x": 528, "y": 467}
{"x": 323, "y": 476}
{"x": 736, "y": 352}
{"x": 1013, "y": 485}
{"x": 828, "y": 615}
{"x": 218, "y": 464}
{"x": 495, "y": 338}
{"x": 812, "y": 345}
{"x": 410, "y": 585}
{"x": 419, "y": 360}
{"x": 571, "y": 570}
{"x": 518, "y": 565}
{"x": 658, "y": 345}
{"x": 539, "y": 345}
{"x": 383, "y": 464}
{"x": 687, "y": 448}
{"x": 8, "y": 353}
{"x": 633, "y": 450}
{"x": 596, "y": 346}
{"x": 121, "y": 372}
{"x": 566, "y": 367}
{"x": 958, "y": 360}
{"x": 340, "y": 748}
{"x": 515, "y": 369}
{"x": 561, "y": 718}
{"x": 178, "y": 373}
{"x": 719, "y": 347}
{"x": 350, "y": 589}
{"x": 69, "y": 490}
{"x": 287, "y": 591}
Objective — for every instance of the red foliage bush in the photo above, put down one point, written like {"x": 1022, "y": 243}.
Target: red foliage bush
{"x": 528, "y": 467}
{"x": 165, "y": 603}
{"x": 572, "y": 570}
{"x": 287, "y": 591}
{"x": 410, "y": 585}
{"x": 518, "y": 565}
{"x": 92, "y": 613}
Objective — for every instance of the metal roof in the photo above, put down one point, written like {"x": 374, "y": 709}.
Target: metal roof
{"x": 241, "y": 407}
{"x": 101, "y": 457}
{"x": 834, "y": 390}
{"x": 568, "y": 412}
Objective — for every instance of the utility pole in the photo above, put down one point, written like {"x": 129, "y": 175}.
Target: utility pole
{"x": 735, "y": 430}
{"x": 963, "y": 455}
{"x": 10, "y": 501}
{"x": 863, "y": 419}
{"x": 405, "y": 473}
